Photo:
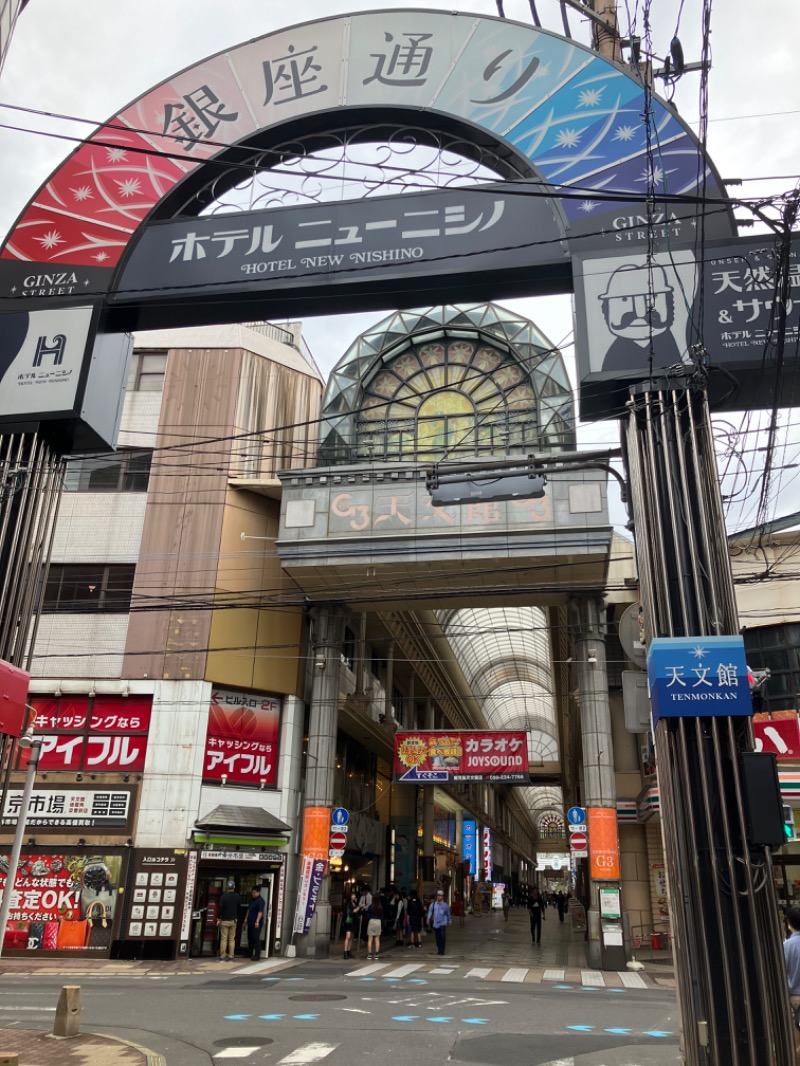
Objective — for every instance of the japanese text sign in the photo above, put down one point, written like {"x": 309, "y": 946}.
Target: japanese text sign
{"x": 469, "y": 845}
{"x": 56, "y": 808}
{"x": 425, "y": 233}
{"x": 242, "y": 739}
{"x": 458, "y": 756}
{"x": 97, "y": 734}
{"x": 53, "y": 888}
{"x": 698, "y": 677}
{"x": 603, "y": 844}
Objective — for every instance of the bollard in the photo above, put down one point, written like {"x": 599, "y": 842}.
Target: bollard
{"x": 68, "y": 1012}
{"x": 9, "y": 1058}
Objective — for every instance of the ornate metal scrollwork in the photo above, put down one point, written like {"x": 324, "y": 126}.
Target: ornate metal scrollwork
{"x": 350, "y": 163}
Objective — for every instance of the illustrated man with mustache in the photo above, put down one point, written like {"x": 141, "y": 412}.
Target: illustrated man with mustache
{"x": 639, "y": 309}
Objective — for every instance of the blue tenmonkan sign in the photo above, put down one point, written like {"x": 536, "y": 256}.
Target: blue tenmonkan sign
{"x": 469, "y": 834}
{"x": 698, "y": 677}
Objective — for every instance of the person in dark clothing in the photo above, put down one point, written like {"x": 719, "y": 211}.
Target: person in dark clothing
{"x": 416, "y": 914}
{"x": 352, "y": 916}
{"x": 536, "y": 912}
{"x": 561, "y": 903}
{"x": 255, "y": 920}
{"x": 229, "y": 904}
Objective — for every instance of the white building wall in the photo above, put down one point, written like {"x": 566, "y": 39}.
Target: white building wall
{"x": 101, "y": 527}
{"x": 80, "y": 645}
{"x": 170, "y": 797}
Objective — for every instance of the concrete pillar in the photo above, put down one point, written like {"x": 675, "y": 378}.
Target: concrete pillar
{"x": 428, "y": 857}
{"x": 290, "y": 772}
{"x": 587, "y": 625}
{"x": 67, "y": 1021}
{"x": 327, "y": 636}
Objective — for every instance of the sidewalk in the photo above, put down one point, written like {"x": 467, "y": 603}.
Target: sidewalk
{"x": 36, "y": 1048}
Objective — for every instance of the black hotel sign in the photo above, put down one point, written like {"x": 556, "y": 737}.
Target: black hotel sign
{"x": 363, "y": 240}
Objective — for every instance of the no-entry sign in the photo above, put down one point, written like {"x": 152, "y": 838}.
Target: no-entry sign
{"x": 578, "y": 841}
{"x": 338, "y": 841}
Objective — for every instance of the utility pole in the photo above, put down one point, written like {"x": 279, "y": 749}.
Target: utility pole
{"x": 731, "y": 981}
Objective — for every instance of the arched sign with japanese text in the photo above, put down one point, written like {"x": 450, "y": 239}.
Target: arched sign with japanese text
{"x": 561, "y": 126}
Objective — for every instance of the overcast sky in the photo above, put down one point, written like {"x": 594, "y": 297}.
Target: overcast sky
{"x": 89, "y": 58}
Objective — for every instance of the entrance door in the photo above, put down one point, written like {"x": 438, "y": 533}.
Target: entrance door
{"x": 265, "y": 883}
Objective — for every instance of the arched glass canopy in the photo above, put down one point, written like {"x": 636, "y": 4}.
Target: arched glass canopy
{"x": 447, "y": 382}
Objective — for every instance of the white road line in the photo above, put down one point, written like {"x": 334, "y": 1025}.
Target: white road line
{"x": 366, "y": 970}
{"x": 592, "y": 978}
{"x": 36, "y": 1010}
{"x": 236, "y": 1052}
{"x": 516, "y": 973}
{"x": 308, "y": 1053}
{"x": 481, "y": 972}
{"x": 632, "y": 980}
{"x": 260, "y": 967}
{"x": 553, "y": 975}
{"x": 442, "y": 970}
{"x": 404, "y": 971}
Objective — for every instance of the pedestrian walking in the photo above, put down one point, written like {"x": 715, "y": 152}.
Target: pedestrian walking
{"x": 536, "y": 912}
{"x": 374, "y": 928}
{"x": 401, "y": 917}
{"x": 416, "y": 914}
{"x": 439, "y": 916}
{"x": 352, "y": 913}
{"x": 561, "y": 903}
{"x": 227, "y": 915}
{"x": 791, "y": 953}
{"x": 255, "y": 921}
{"x": 506, "y": 901}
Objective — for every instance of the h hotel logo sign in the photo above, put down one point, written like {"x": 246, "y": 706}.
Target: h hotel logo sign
{"x": 56, "y": 348}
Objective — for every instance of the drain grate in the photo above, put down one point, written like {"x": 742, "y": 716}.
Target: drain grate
{"x": 317, "y": 997}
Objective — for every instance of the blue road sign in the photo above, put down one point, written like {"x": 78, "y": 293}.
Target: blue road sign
{"x": 576, "y": 816}
{"x": 340, "y": 816}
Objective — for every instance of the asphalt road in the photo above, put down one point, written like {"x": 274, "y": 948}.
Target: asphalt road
{"x": 315, "y": 1013}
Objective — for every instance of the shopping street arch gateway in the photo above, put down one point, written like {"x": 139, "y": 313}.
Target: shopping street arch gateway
{"x": 169, "y": 215}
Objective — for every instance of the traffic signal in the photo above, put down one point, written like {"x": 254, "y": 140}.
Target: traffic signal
{"x": 789, "y": 828}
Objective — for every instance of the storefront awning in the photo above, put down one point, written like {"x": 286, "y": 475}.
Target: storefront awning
{"x": 248, "y": 822}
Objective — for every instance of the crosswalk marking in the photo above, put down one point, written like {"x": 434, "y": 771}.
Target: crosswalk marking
{"x": 260, "y": 967}
{"x": 516, "y": 973}
{"x": 404, "y": 971}
{"x": 553, "y": 975}
{"x": 364, "y": 971}
{"x": 236, "y": 1052}
{"x": 307, "y": 1053}
{"x": 481, "y": 972}
{"x": 442, "y": 970}
{"x": 592, "y": 979}
{"x": 632, "y": 980}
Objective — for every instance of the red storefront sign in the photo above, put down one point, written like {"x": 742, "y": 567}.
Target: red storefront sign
{"x": 13, "y": 699}
{"x": 94, "y": 734}
{"x": 63, "y": 902}
{"x": 779, "y": 735}
{"x": 242, "y": 739}
{"x": 457, "y": 756}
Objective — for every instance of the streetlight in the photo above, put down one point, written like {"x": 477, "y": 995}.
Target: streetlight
{"x": 34, "y": 744}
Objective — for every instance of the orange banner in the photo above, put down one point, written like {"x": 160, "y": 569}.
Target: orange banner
{"x": 603, "y": 844}
{"x": 316, "y": 832}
